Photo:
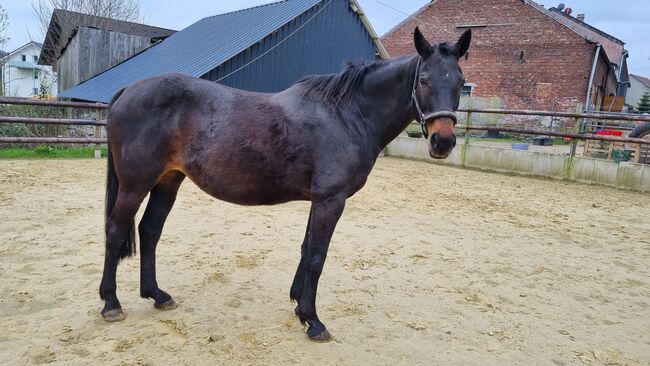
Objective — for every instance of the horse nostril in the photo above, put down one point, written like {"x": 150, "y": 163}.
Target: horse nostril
{"x": 435, "y": 139}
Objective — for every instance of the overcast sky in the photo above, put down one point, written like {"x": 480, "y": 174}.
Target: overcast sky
{"x": 628, "y": 20}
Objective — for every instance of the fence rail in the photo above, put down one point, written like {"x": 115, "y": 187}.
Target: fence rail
{"x": 580, "y": 136}
{"x": 101, "y": 123}
{"x": 601, "y": 116}
{"x": 52, "y": 103}
{"x": 52, "y": 140}
{"x": 53, "y": 121}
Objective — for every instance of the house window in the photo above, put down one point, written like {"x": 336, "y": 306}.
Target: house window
{"x": 467, "y": 90}
{"x": 35, "y": 91}
{"x": 23, "y": 58}
{"x": 35, "y": 58}
{"x": 36, "y": 74}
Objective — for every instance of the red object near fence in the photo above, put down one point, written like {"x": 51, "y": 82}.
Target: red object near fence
{"x": 609, "y": 132}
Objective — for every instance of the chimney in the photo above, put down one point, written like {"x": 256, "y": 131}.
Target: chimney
{"x": 581, "y": 17}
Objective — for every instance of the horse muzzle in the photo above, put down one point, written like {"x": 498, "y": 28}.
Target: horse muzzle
{"x": 442, "y": 137}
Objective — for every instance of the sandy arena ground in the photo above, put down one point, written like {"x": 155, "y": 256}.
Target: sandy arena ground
{"x": 428, "y": 266}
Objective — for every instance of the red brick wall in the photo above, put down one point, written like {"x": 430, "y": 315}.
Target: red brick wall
{"x": 525, "y": 57}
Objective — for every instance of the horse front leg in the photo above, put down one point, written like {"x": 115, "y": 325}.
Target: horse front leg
{"x": 299, "y": 279}
{"x": 324, "y": 216}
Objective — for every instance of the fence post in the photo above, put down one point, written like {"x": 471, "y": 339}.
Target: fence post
{"x": 98, "y": 135}
{"x": 463, "y": 151}
{"x": 577, "y": 125}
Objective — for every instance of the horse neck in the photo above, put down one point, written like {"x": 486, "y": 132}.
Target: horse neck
{"x": 385, "y": 101}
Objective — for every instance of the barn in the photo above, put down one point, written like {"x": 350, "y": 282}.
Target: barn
{"x": 523, "y": 55}
{"x": 265, "y": 48}
{"x": 79, "y": 46}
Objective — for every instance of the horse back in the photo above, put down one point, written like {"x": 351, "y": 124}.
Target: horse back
{"x": 242, "y": 147}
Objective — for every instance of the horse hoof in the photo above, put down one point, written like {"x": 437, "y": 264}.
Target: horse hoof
{"x": 323, "y": 337}
{"x": 167, "y": 305}
{"x": 114, "y": 315}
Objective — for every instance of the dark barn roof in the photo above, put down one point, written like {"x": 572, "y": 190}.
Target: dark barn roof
{"x": 199, "y": 48}
{"x": 65, "y": 23}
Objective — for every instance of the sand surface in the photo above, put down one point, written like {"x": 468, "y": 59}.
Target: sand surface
{"x": 429, "y": 265}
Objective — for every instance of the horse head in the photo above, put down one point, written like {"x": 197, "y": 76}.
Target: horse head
{"x": 436, "y": 91}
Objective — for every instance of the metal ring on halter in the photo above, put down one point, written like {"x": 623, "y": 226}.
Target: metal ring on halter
{"x": 422, "y": 118}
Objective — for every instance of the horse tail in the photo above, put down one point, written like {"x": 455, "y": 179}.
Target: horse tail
{"x": 112, "y": 187}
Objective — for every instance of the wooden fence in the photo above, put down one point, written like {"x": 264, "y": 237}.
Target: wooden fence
{"x": 638, "y": 146}
{"x": 98, "y": 123}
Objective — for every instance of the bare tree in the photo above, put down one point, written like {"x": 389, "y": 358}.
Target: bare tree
{"x": 128, "y": 10}
{"x": 4, "y": 24}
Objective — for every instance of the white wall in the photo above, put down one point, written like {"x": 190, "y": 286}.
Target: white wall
{"x": 635, "y": 92}
{"x": 624, "y": 175}
{"x": 19, "y": 76}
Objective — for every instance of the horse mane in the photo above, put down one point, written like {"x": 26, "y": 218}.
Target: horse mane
{"x": 337, "y": 87}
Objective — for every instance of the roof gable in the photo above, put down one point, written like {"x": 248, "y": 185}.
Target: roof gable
{"x": 612, "y": 45}
{"x": 8, "y": 54}
{"x": 644, "y": 80}
{"x": 582, "y": 29}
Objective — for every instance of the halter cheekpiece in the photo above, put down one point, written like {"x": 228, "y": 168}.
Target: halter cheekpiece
{"x": 423, "y": 118}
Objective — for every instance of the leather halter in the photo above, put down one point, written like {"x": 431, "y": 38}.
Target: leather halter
{"x": 423, "y": 118}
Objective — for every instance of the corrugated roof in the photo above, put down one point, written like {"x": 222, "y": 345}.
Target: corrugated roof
{"x": 196, "y": 49}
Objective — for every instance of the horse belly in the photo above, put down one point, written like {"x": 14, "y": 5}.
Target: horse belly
{"x": 249, "y": 185}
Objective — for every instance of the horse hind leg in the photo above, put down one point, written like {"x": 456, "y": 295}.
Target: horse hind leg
{"x": 119, "y": 224}
{"x": 161, "y": 201}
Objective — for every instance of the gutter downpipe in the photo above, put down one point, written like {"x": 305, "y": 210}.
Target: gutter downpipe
{"x": 589, "y": 87}
{"x": 624, "y": 56}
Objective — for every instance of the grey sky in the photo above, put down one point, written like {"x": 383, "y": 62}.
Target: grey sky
{"x": 628, "y": 20}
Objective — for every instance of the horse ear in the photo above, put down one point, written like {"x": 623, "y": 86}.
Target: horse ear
{"x": 421, "y": 44}
{"x": 463, "y": 43}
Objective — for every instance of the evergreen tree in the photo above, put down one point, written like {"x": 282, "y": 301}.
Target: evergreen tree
{"x": 644, "y": 103}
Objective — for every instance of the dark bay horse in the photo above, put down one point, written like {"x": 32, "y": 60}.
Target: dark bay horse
{"x": 316, "y": 141}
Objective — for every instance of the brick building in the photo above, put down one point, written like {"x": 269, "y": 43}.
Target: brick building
{"x": 523, "y": 55}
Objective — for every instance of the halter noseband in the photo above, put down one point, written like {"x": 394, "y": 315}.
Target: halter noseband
{"x": 423, "y": 118}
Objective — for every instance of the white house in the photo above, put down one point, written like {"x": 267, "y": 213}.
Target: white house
{"x": 22, "y": 77}
{"x": 639, "y": 85}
